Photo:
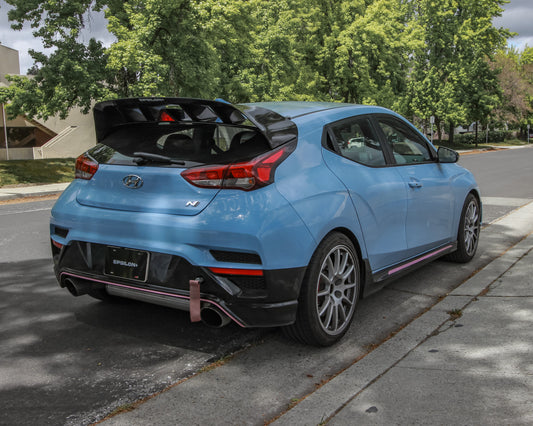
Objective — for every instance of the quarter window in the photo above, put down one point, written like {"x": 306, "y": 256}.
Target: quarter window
{"x": 407, "y": 147}
{"x": 356, "y": 141}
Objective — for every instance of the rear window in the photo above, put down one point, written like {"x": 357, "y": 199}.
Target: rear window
{"x": 195, "y": 143}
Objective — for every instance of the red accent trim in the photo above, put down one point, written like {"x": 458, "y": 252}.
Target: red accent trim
{"x": 145, "y": 290}
{"x": 56, "y": 244}
{"x": 231, "y": 271}
{"x": 420, "y": 259}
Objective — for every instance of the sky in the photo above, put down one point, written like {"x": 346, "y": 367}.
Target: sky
{"x": 517, "y": 17}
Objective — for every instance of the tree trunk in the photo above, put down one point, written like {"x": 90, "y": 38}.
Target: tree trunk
{"x": 450, "y": 134}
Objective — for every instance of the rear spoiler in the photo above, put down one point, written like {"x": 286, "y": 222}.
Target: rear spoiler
{"x": 109, "y": 115}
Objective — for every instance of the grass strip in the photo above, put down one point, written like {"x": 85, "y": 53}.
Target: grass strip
{"x": 35, "y": 172}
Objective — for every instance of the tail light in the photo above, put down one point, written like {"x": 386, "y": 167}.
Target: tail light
{"x": 246, "y": 176}
{"x": 85, "y": 167}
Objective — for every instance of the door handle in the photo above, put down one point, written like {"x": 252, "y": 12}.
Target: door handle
{"x": 415, "y": 184}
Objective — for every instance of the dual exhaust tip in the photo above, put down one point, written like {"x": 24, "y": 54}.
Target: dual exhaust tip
{"x": 210, "y": 314}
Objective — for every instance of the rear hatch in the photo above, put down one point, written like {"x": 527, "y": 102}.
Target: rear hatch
{"x": 144, "y": 146}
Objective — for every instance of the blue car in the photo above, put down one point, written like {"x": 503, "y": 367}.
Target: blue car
{"x": 265, "y": 214}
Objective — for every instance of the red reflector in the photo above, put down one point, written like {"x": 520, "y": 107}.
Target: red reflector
{"x": 56, "y": 244}
{"x": 231, "y": 271}
{"x": 85, "y": 167}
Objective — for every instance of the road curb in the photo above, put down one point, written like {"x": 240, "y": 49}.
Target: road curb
{"x": 22, "y": 192}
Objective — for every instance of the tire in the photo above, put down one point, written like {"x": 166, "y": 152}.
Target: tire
{"x": 468, "y": 233}
{"x": 329, "y": 293}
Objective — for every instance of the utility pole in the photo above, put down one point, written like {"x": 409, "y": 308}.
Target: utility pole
{"x": 5, "y": 130}
{"x": 5, "y": 125}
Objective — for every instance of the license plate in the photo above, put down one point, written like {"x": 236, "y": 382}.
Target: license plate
{"x": 126, "y": 263}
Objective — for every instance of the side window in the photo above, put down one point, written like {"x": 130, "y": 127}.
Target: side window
{"x": 407, "y": 147}
{"x": 356, "y": 141}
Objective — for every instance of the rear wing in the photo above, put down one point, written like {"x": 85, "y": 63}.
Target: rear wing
{"x": 109, "y": 115}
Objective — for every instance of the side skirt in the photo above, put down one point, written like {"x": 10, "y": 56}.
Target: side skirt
{"x": 381, "y": 278}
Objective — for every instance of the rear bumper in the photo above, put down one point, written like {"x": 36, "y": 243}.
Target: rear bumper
{"x": 250, "y": 301}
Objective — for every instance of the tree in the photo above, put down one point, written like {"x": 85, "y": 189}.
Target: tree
{"x": 163, "y": 47}
{"x": 450, "y": 79}
{"x": 515, "y": 77}
{"x": 421, "y": 57}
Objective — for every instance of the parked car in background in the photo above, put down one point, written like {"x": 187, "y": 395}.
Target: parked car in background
{"x": 267, "y": 214}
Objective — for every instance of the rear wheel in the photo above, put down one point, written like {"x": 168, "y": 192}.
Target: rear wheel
{"x": 468, "y": 234}
{"x": 329, "y": 293}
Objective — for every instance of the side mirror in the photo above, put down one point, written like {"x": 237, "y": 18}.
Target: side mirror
{"x": 447, "y": 155}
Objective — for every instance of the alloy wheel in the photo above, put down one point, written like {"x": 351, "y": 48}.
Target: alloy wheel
{"x": 337, "y": 289}
{"x": 471, "y": 228}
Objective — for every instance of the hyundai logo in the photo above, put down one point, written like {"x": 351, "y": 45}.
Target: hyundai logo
{"x": 133, "y": 181}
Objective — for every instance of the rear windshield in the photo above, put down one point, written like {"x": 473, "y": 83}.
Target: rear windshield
{"x": 198, "y": 143}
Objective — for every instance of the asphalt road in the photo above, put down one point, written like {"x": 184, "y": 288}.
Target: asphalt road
{"x": 504, "y": 177}
{"x": 72, "y": 360}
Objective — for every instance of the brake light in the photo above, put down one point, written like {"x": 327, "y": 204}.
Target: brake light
{"x": 85, "y": 167}
{"x": 246, "y": 176}
{"x": 165, "y": 116}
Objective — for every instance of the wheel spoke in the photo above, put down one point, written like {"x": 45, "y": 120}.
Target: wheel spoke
{"x": 347, "y": 273}
{"x": 337, "y": 260}
{"x": 324, "y": 307}
{"x": 330, "y": 268}
{"x": 323, "y": 292}
{"x": 335, "y": 318}
{"x": 325, "y": 277}
{"x": 342, "y": 314}
{"x": 344, "y": 263}
{"x": 348, "y": 286}
{"x": 327, "y": 321}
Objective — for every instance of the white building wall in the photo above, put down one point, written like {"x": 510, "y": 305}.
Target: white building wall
{"x": 75, "y": 142}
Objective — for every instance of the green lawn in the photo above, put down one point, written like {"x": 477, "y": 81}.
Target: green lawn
{"x": 18, "y": 172}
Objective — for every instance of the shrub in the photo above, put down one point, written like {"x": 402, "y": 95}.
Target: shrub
{"x": 495, "y": 136}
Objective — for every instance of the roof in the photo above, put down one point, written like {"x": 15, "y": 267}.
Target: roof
{"x": 292, "y": 109}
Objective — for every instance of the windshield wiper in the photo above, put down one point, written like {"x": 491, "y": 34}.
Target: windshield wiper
{"x": 146, "y": 157}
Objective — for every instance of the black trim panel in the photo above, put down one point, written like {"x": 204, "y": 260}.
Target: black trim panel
{"x": 404, "y": 268}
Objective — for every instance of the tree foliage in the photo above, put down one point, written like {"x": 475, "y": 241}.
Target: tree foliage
{"x": 515, "y": 77}
{"x": 451, "y": 78}
{"x": 421, "y": 57}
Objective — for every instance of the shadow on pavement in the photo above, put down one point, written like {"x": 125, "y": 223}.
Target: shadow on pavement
{"x": 62, "y": 355}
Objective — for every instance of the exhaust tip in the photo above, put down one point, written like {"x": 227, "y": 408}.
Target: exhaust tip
{"x": 75, "y": 287}
{"x": 214, "y": 317}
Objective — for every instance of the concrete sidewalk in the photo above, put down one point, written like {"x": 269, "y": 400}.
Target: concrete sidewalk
{"x": 12, "y": 193}
{"x": 468, "y": 360}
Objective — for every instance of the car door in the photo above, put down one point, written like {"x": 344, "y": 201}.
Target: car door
{"x": 430, "y": 200}
{"x": 355, "y": 155}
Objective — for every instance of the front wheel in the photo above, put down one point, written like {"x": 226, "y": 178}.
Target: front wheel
{"x": 329, "y": 293}
{"x": 468, "y": 234}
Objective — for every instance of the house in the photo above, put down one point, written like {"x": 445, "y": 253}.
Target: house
{"x": 37, "y": 139}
